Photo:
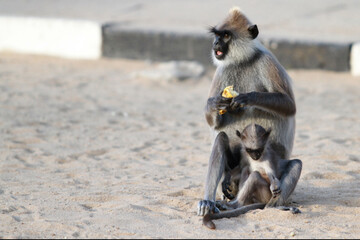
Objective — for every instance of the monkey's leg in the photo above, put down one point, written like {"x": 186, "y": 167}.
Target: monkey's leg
{"x": 256, "y": 187}
{"x": 261, "y": 192}
{"x": 288, "y": 181}
{"x": 220, "y": 155}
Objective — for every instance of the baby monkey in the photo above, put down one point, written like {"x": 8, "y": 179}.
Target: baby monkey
{"x": 262, "y": 158}
{"x": 260, "y": 184}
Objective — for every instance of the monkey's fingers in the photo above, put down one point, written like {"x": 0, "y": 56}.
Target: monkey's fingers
{"x": 241, "y": 99}
{"x": 228, "y": 195}
{"x": 222, "y": 106}
{"x": 206, "y": 206}
{"x": 226, "y": 100}
{"x": 235, "y": 105}
{"x": 221, "y": 205}
{"x": 201, "y": 209}
{"x": 276, "y": 192}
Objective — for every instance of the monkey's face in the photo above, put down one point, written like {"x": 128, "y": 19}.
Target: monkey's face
{"x": 255, "y": 153}
{"x": 234, "y": 38}
{"x": 221, "y": 43}
{"x": 232, "y": 46}
{"x": 254, "y": 139}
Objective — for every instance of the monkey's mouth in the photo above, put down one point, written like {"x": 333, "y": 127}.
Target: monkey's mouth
{"x": 220, "y": 55}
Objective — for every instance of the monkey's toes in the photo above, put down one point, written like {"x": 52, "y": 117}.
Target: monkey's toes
{"x": 294, "y": 210}
{"x": 206, "y": 206}
{"x": 276, "y": 192}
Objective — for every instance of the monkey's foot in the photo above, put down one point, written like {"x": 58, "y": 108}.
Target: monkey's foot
{"x": 222, "y": 205}
{"x": 275, "y": 189}
{"x": 276, "y": 192}
{"x": 273, "y": 201}
{"x": 206, "y": 206}
{"x": 293, "y": 210}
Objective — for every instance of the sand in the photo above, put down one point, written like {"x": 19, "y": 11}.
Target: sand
{"x": 89, "y": 150}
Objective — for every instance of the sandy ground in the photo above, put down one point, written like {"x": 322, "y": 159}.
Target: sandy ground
{"x": 88, "y": 150}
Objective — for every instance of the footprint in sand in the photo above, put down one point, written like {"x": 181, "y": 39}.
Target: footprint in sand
{"x": 144, "y": 146}
{"x": 182, "y": 162}
{"x": 176, "y": 194}
{"x": 304, "y": 136}
{"x": 96, "y": 153}
{"x": 87, "y": 207}
{"x": 138, "y": 207}
{"x": 328, "y": 175}
{"x": 196, "y": 134}
{"x": 16, "y": 218}
{"x": 9, "y": 210}
{"x": 354, "y": 158}
{"x": 340, "y": 163}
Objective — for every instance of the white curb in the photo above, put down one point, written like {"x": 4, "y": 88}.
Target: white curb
{"x": 355, "y": 59}
{"x": 76, "y": 39}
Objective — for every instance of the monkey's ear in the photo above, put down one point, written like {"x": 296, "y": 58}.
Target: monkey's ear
{"x": 212, "y": 30}
{"x": 253, "y": 30}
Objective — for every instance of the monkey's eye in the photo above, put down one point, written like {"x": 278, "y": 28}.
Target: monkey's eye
{"x": 257, "y": 151}
{"x": 227, "y": 36}
{"x": 248, "y": 150}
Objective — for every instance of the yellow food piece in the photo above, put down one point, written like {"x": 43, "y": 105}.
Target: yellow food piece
{"x": 222, "y": 111}
{"x": 228, "y": 92}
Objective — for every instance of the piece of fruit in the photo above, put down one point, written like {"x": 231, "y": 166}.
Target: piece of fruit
{"x": 229, "y": 92}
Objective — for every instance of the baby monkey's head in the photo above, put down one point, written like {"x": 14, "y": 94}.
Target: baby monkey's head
{"x": 254, "y": 139}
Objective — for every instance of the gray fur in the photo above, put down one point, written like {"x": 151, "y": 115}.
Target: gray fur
{"x": 265, "y": 98}
{"x": 268, "y": 180}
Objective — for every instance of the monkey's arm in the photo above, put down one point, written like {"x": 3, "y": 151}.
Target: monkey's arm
{"x": 274, "y": 102}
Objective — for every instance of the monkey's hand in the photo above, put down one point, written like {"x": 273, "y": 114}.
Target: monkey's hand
{"x": 226, "y": 187}
{"x": 223, "y": 205}
{"x": 239, "y": 101}
{"x": 275, "y": 188}
{"x": 206, "y": 206}
{"x": 218, "y": 103}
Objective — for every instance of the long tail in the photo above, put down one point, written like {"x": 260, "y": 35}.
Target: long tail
{"x": 207, "y": 219}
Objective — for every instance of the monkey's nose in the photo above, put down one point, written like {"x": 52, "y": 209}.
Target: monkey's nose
{"x": 255, "y": 156}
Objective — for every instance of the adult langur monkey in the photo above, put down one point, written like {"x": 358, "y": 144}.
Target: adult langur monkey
{"x": 265, "y": 98}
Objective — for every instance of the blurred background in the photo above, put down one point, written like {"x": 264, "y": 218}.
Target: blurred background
{"x": 302, "y": 34}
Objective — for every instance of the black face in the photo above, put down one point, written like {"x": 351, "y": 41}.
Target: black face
{"x": 221, "y": 43}
{"x": 255, "y": 153}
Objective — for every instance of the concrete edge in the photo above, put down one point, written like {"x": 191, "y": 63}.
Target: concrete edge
{"x": 355, "y": 59}
{"x": 164, "y": 46}
{"x": 80, "y": 39}
{"x": 66, "y": 38}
